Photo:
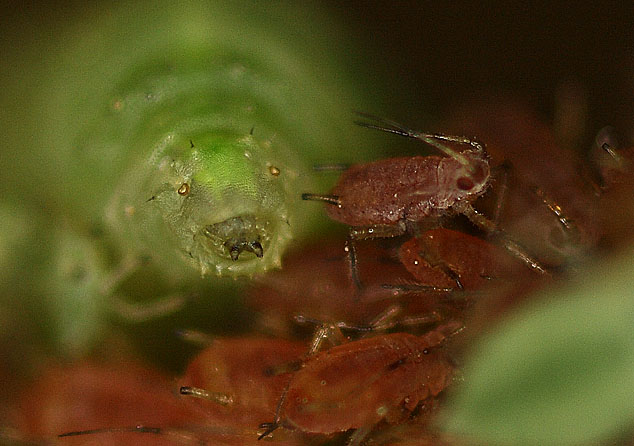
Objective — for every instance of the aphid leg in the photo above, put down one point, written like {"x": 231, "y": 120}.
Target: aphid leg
{"x": 357, "y": 437}
{"x": 566, "y": 223}
{"x": 432, "y": 257}
{"x": 366, "y": 233}
{"x": 482, "y": 222}
{"x": 386, "y": 320}
{"x": 219, "y": 398}
{"x": 351, "y": 250}
{"x": 330, "y": 199}
{"x": 268, "y": 429}
{"x": 325, "y": 331}
{"x": 501, "y": 173}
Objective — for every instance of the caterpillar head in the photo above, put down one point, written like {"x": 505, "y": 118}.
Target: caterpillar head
{"x": 222, "y": 200}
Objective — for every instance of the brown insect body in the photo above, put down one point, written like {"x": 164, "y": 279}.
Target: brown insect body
{"x": 97, "y": 396}
{"x": 358, "y": 384}
{"x": 473, "y": 260}
{"x": 315, "y": 283}
{"x": 549, "y": 207}
{"x": 388, "y": 191}
{"x": 240, "y": 369}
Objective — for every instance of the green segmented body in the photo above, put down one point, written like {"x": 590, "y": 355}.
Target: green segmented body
{"x": 173, "y": 131}
{"x": 191, "y": 129}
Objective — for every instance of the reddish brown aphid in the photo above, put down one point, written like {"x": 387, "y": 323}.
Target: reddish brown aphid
{"x": 358, "y": 384}
{"x": 386, "y": 198}
{"x": 442, "y": 256}
{"x": 394, "y": 191}
{"x": 240, "y": 378}
{"x": 91, "y": 404}
{"x": 547, "y": 204}
{"x": 96, "y": 396}
{"x": 315, "y": 283}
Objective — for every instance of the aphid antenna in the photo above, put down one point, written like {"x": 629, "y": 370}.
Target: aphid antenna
{"x": 336, "y": 167}
{"x": 330, "y": 199}
{"x": 185, "y": 436}
{"x": 386, "y": 125}
{"x": 115, "y": 430}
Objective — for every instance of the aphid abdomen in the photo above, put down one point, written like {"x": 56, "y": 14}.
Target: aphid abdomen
{"x": 245, "y": 369}
{"x": 414, "y": 188}
{"x": 472, "y": 259}
{"x": 361, "y": 383}
{"x": 381, "y": 192}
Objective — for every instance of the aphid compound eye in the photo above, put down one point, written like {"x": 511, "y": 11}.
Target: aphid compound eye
{"x": 465, "y": 183}
{"x": 183, "y": 189}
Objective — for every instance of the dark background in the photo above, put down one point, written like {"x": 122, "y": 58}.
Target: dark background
{"x": 440, "y": 53}
{"x": 443, "y": 53}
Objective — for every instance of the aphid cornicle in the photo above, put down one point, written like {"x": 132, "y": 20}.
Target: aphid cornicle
{"x": 234, "y": 379}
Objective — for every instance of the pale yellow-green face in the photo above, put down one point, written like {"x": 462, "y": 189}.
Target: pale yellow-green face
{"x": 228, "y": 202}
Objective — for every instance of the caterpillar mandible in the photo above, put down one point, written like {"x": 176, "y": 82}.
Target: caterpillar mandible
{"x": 186, "y": 129}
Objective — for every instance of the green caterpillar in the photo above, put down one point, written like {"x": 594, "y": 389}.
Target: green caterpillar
{"x": 180, "y": 133}
{"x": 188, "y": 129}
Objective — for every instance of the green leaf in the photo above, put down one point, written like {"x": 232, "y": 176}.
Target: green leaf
{"x": 561, "y": 371}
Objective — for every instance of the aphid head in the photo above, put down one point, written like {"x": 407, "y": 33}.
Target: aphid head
{"x": 472, "y": 178}
{"x": 224, "y": 201}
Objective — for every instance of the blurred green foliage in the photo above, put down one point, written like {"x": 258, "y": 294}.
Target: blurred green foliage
{"x": 559, "y": 371}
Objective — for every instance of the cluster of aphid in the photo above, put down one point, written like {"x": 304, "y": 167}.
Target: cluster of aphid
{"x": 363, "y": 328}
